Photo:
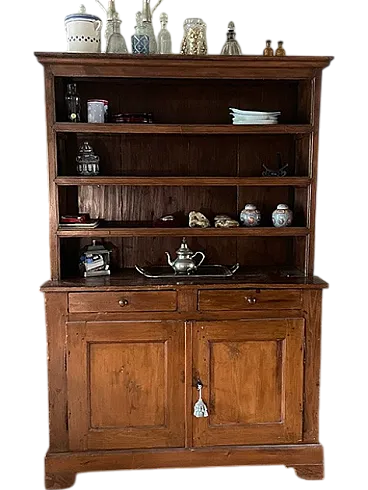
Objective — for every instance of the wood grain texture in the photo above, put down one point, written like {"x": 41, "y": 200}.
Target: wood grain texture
{"x": 189, "y": 379}
{"x": 282, "y": 346}
{"x": 200, "y": 316}
{"x": 184, "y": 181}
{"x": 313, "y": 170}
{"x": 107, "y": 232}
{"x": 290, "y": 455}
{"x": 56, "y": 481}
{"x": 246, "y": 381}
{"x": 122, "y": 376}
{"x": 116, "y": 372}
{"x": 250, "y": 278}
{"x": 77, "y": 385}
{"x": 123, "y": 301}
{"x": 310, "y": 472}
{"x": 56, "y": 317}
{"x": 247, "y": 299}
{"x": 313, "y": 309}
{"x": 127, "y": 385}
{"x": 52, "y": 167}
{"x": 97, "y": 65}
{"x": 204, "y": 129}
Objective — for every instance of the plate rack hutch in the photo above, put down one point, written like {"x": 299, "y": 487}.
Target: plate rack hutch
{"x": 126, "y": 352}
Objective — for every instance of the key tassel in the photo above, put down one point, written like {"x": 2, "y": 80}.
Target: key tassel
{"x": 200, "y": 408}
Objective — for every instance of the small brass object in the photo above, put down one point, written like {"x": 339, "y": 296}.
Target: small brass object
{"x": 280, "y": 49}
{"x": 268, "y": 49}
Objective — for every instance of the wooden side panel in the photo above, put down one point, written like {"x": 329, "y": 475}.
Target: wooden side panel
{"x": 52, "y": 157}
{"x": 313, "y": 170}
{"x": 313, "y": 308}
{"x": 56, "y": 317}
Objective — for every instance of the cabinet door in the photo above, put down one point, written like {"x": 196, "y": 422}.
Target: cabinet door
{"x": 125, "y": 385}
{"x": 252, "y": 372}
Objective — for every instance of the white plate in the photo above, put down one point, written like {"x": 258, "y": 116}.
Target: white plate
{"x": 246, "y": 119}
{"x": 239, "y": 123}
{"x": 90, "y": 225}
{"x": 254, "y": 113}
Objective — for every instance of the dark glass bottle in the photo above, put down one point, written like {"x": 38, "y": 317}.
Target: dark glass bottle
{"x": 73, "y": 105}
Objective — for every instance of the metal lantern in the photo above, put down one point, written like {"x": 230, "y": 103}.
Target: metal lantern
{"x": 88, "y": 163}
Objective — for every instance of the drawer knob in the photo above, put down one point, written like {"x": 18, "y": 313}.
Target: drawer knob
{"x": 123, "y": 302}
{"x": 251, "y": 300}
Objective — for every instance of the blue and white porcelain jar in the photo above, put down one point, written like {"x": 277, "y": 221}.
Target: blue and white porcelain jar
{"x": 282, "y": 216}
{"x": 83, "y": 32}
{"x": 250, "y": 216}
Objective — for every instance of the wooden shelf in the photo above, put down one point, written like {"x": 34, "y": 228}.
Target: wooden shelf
{"x": 186, "y": 181}
{"x": 203, "y": 129}
{"x": 105, "y": 232}
{"x": 249, "y": 277}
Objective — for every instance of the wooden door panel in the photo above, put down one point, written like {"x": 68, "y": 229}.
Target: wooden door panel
{"x": 251, "y": 368}
{"x": 125, "y": 385}
{"x": 252, "y": 372}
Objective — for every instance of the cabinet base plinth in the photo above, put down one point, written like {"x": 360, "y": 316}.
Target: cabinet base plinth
{"x": 310, "y": 471}
{"x": 306, "y": 459}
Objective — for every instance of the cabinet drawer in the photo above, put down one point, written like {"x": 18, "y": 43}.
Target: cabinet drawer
{"x": 248, "y": 299}
{"x": 124, "y": 301}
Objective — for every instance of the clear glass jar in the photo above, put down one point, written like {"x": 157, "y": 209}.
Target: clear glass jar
{"x": 116, "y": 42}
{"x": 164, "y": 45}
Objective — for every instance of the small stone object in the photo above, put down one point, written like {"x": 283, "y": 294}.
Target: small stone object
{"x": 282, "y": 216}
{"x": 268, "y": 51}
{"x": 280, "y": 51}
{"x": 250, "y": 216}
{"x": 224, "y": 221}
{"x": 198, "y": 220}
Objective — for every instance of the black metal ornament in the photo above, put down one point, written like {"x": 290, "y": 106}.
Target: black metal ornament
{"x": 280, "y": 172}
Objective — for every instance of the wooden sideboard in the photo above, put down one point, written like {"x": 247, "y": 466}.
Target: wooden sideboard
{"x": 125, "y": 352}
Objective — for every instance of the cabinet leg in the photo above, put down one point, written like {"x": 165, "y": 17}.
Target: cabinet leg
{"x": 56, "y": 481}
{"x": 310, "y": 471}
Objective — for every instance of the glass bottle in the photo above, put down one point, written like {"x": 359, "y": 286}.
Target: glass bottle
{"x": 73, "y": 105}
{"x": 164, "y": 36}
{"x": 116, "y": 42}
{"x": 231, "y": 47}
{"x": 145, "y": 28}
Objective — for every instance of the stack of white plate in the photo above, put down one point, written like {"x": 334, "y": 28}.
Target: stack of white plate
{"x": 253, "y": 117}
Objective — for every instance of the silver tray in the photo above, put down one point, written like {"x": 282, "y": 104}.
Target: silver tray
{"x": 161, "y": 272}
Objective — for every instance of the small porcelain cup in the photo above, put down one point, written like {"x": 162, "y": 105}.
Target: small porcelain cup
{"x": 96, "y": 112}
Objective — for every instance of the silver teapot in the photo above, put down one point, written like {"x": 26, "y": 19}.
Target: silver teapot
{"x": 185, "y": 263}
